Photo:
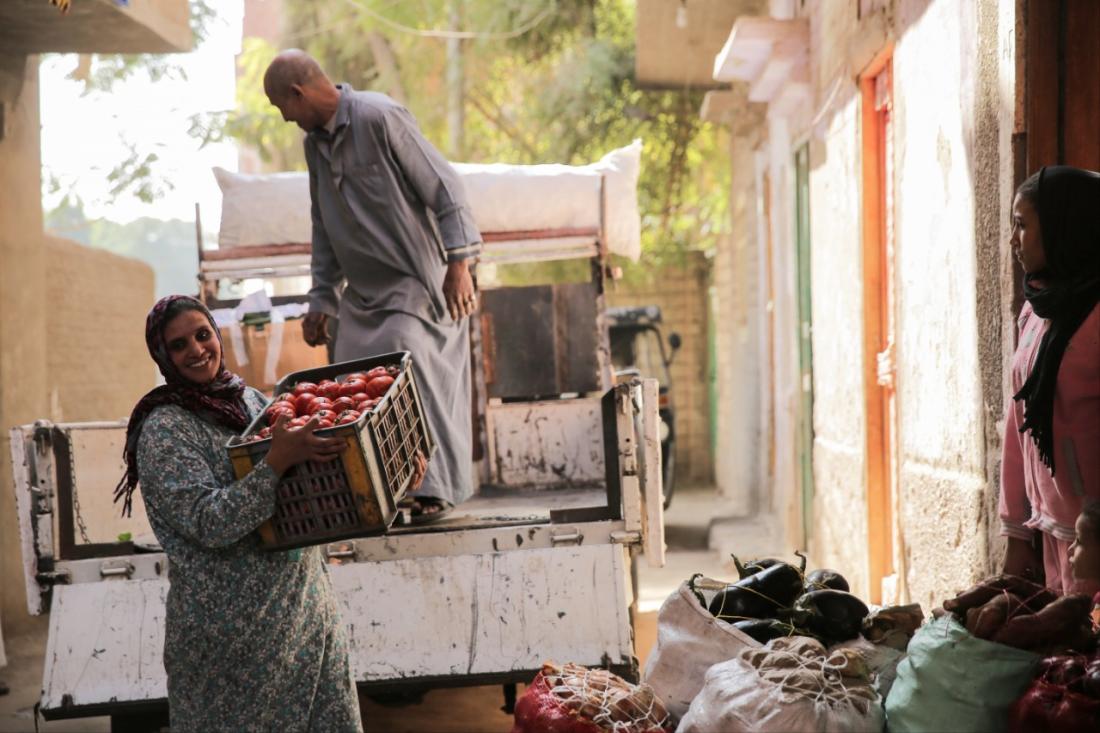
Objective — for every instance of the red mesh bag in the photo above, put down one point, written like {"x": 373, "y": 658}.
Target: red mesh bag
{"x": 575, "y": 699}
{"x": 1051, "y": 704}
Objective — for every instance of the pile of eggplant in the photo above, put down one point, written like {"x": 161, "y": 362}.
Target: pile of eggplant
{"x": 773, "y": 599}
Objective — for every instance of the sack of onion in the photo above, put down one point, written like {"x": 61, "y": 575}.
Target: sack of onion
{"x": 792, "y": 685}
{"x": 574, "y": 699}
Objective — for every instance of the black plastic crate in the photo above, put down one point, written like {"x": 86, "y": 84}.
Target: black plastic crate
{"x": 357, "y": 495}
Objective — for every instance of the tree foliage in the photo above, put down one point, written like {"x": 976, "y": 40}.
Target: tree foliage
{"x": 544, "y": 81}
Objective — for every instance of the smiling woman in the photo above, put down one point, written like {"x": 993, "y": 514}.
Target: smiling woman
{"x": 253, "y": 639}
{"x": 194, "y": 346}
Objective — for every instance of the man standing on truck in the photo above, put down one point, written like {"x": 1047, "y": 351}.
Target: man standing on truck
{"x": 390, "y": 220}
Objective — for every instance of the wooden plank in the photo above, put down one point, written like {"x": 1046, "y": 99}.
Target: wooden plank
{"x": 653, "y": 495}
{"x": 250, "y": 252}
{"x": 1042, "y": 94}
{"x": 520, "y": 235}
{"x": 21, "y": 476}
{"x": 106, "y": 643}
{"x": 488, "y": 613}
{"x": 548, "y": 444}
{"x": 1081, "y": 122}
{"x": 294, "y": 248}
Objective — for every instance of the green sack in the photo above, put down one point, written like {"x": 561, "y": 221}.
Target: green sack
{"x": 951, "y": 680}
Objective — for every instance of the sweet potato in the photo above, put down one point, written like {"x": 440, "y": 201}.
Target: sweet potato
{"x": 1056, "y": 619}
{"x": 983, "y": 592}
{"x": 991, "y": 616}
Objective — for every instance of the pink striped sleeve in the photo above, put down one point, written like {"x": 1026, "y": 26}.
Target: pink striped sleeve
{"x": 1012, "y": 506}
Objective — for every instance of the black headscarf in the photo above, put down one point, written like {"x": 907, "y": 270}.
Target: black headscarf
{"x": 1065, "y": 291}
{"x": 220, "y": 401}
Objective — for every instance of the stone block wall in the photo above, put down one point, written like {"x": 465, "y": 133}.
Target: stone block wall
{"x": 681, "y": 291}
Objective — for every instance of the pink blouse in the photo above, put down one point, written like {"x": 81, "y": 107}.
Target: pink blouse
{"x": 1030, "y": 497}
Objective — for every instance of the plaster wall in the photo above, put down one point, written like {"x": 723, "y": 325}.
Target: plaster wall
{"x": 97, "y": 363}
{"x": 23, "y": 379}
{"x": 839, "y": 414}
{"x": 739, "y": 442}
{"x": 950, "y": 183}
{"x": 952, "y": 123}
{"x": 777, "y": 160}
{"x": 680, "y": 290}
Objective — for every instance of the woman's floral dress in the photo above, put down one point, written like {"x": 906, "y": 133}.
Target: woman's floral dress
{"x": 253, "y": 639}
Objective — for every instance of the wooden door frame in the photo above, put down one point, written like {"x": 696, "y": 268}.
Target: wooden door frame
{"x": 880, "y": 479}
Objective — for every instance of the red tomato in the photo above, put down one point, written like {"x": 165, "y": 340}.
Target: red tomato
{"x": 352, "y": 386}
{"x": 356, "y": 375}
{"x": 348, "y": 416}
{"x": 393, "y": 370}
{"x": 378, "y": 386}
{"x": 301, "y": 387}
{"x": 342, "y": 403}
{"x": 328, "y": 388}
{"x": 325, "y": 424}
{"x": 285, "y": 397}
{"x": 325, "y": 415}
{"x": 298, "y": 422}
{"x": 378, "y": 371}
{"x": 303, "y": 401}
{"x": 264, "y": 433}
{"x": 274, "y": 413}
{"x": 282, "y": 405}
{"x": 319, "y": 403}
{"x": 360, "y": 396}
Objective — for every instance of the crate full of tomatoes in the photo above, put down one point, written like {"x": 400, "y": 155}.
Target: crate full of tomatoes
{"x": 373, "y": 405}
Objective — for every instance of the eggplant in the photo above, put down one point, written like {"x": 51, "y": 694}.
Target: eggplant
{"x": 752, "y": 567}
{"x": 824, "y": 578}
{"x": 832, "y": 615}
{"x": 737, "y": 603}
{"x": 766, "y": 629}
{"x": 695, "y": 591}
{"x": 764, "y": 594}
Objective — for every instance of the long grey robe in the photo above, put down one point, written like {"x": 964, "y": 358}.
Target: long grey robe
{"x": 253, "y": 640}
{"x": 388, "y": 213}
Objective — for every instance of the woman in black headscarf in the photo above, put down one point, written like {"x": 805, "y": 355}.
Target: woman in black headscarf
{"x": 253, "y": 639}
{"x": 1051, "y": 464}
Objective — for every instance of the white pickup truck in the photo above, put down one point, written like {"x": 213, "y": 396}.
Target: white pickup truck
{"x": 539, "y": 565}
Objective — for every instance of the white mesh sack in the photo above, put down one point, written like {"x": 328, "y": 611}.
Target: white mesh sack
{"x": 689, "y": 641}
{"x": 606, "y": 699}
{"x": 790, "y": 686}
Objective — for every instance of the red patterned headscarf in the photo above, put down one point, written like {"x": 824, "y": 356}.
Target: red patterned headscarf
{"x": 220, "y": 401}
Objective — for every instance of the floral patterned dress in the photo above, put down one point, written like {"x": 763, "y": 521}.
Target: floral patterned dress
{"x": 253, "y": 639}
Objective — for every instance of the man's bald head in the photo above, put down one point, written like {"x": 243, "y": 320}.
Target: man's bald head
{"x": 295, "y": 83}
{"x": 290, "y": 68}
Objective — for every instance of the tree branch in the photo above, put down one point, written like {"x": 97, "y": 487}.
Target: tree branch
{"x": 502, "y": 124}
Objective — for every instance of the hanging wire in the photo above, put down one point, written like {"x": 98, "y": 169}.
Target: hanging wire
{"x": 361, "y": 7}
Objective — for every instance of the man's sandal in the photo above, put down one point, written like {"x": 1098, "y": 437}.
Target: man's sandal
{"x": 416, "y": 509}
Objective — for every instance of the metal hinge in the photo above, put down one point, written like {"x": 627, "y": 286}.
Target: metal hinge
{"x": 566, "y": 536}
{"x": 51, "y": 577}
{"x": 116, "y": 568}
{"x": 340, "y": 550}
{"x": 625, "y": 537}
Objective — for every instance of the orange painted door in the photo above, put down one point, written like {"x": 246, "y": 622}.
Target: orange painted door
{"x": 879, "y": 327}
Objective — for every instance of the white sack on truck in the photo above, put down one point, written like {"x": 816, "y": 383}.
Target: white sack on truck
{"x": 274, "y": 208}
